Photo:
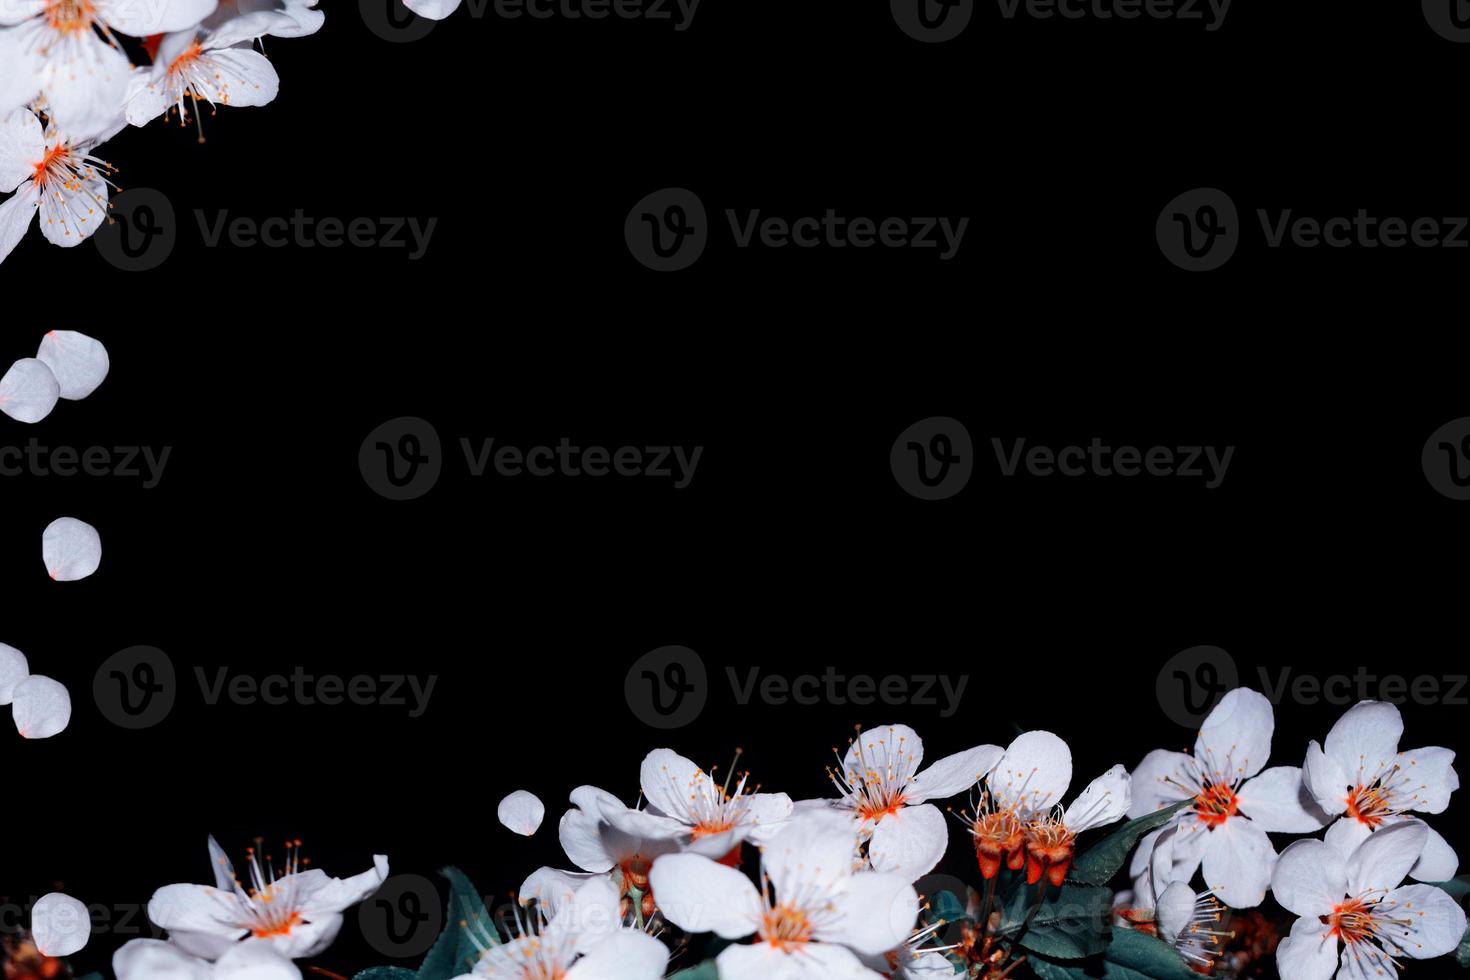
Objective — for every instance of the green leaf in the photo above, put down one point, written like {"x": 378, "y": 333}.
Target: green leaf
{"x": 94, "y": 975}
{"x": 385, "y": 973}
{"x": 1070, "y": 924}
{"x": 948, "y": 907}
{"x": 1098, "y": 864}
{"x": 704, "y": 971}
{"x": 454, "y": 953}
{"x": 1462, "y": 955}
{"x": 1131, "y": 955}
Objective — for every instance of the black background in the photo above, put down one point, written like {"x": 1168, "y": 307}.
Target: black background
{"x": 794, "y": 548}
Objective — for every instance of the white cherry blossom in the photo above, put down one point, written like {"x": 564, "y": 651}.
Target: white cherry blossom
{"x": 54, "y": 175}
{"x": 297, "y": 911}
{"x": 814, "y": 915}
{"x": 1356, "y": 921}
{"x": 1236, "y": 801}
{"x": 1361, "y": 777}
{"x": 881, "y": 782}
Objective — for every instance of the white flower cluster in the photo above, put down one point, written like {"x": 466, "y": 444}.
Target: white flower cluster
{"x": 68, "y": 83}
{"x": 833, "y": 894}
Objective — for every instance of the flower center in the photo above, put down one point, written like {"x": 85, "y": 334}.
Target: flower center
{"x": 1215, "y": 804}
{"x": 1352, "y": 921}
{"x": 283, "y": 927}
{"x": 708, "y": 828}
{"x": 1049, "y": 846}
{"x": 786, "y": 927}
{"x": 999, "y": 835}
{"x": 70, "y": 16}
{"x": 875, "y": 785}
{"x": 54, "y": 165}
{"x": 186, "y": 59}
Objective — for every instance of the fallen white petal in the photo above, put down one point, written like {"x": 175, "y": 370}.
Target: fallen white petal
{"x": 42, "y": 707}
{"x": 60, "y": 925}
{"x": 13, "y": 670}
{"x": 72, "y": 549}
{"x": 79, "y": 362}
{"x": 521, "y": 812}
{"x": 29, "y": 391}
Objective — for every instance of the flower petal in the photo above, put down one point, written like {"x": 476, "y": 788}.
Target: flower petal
{"x": 1433, "y": 925}
{"x": 1155, "y": 783}
{"x": 22, "y": 143}
{"x": 154, "y": 959}
{"x": 1383, "y": 860}
{"x": 41, "y": 707}
{"x": 1105, "y": 800}
{"x": 1325, "y": 780}
{"x": 1174, "y": 910}
{"x": 812, "y": 855}
{"x": 1033, "y": 774}
{"x": 1310, "y": 878}
{"x": 256, "y": 961}
{"x": 1238, "y": 862}
{"x": 60, "y": 924}
{"x": 1235, "y": 740}
{"x": 954, "y": 774}
{"x": 29, "y": 391}
{"x": 79, "y": 363}
{"x": 1365, "y": 739}
{"x": 1438, "y": 861}
{"x": 1431, "y": 777}
{"x": 909, "y": 842}
{"x": 521, "y": 812}
{"x": 1278, "y": 803}
{"x": 71, "y": 549}
{"x": 13, "y": 670}
{"x": 698, "y": 895}
{"x": 875, "y": 913}
{"x": 626, "y": 955}
{"x": 199, "y": 918}
{"x": 1309, "y": 953}
{"x": 676, "y": 786}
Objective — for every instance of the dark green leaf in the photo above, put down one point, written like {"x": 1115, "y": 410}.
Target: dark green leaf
{"x": 704, "y": 971}
{"x": 1458, "y": 888}
{"x": 946, "y": 906}
{"x": 385, "y": 973}
{"x": 1098, "y": 864}
{"x": 1070, "y": 924}
{"x": 1130, "y": 955}
{"x": 455, "y": 951}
